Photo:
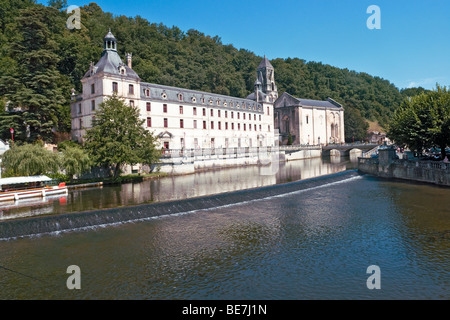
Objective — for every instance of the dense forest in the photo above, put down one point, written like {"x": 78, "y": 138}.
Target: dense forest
{"x": 41, "y": 61}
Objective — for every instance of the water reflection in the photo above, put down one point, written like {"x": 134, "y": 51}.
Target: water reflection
{"x": 174, "y": 188}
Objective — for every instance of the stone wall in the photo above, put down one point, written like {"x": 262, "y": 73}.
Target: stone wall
{"x": 436, "y": 172}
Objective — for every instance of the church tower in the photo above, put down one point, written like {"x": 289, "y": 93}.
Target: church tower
{"x": 266, "y": 76}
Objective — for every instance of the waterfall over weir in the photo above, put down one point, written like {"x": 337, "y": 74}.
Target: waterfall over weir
{"x": 29, "y": 227}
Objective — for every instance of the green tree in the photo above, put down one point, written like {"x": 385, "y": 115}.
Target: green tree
{"x": 36, "y": 89}
{"x": 29, "y": 160}
{"x": 289, "y": 142}
{"x": 75, "y": 161}
{"x": 118, "y": 137}
{"x": 355, "y": 125}
{"x": 423, "y": 121}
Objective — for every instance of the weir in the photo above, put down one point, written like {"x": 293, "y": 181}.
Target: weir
{"x": 35, "y": 226}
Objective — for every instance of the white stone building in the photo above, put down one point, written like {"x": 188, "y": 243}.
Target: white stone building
{"x": 181, "y": 118}
{"x": 191, "y": 119}
{"x": 312, "y": 122}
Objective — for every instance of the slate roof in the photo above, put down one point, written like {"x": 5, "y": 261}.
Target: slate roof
{"x": 265, "y": 63}
{"x": 287, "y": 100}
{"x": 194, "y": 97}
{"x": 110, "y": 63}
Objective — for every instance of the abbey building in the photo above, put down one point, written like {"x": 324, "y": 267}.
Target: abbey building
{"x": 192, "y": 119}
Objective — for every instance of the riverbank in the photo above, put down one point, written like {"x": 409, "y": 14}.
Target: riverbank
{"x": 81, "y": 183}
{"x": 388, "y": 166}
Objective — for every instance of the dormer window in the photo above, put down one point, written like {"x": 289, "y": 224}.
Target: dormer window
{"x": 180, "y": 97}
{"x": 164, "y": 95}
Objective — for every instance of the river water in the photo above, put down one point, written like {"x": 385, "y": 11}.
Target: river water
{"x": 315, "y": 242}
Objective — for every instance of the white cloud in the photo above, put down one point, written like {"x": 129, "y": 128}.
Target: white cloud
{"x": 427, "y": 83}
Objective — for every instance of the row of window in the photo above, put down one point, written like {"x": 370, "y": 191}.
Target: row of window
{"x": 219, "y": 125}
{"x": 219, "y": 113}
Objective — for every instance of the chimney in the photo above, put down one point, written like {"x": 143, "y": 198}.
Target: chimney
{"x": 129, "y": 60}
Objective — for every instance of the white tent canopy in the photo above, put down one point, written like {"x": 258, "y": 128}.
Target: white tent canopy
{"x": 21, "y": 180}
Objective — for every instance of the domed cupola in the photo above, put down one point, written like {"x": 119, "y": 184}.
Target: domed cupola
{"x": 110, "y": 42}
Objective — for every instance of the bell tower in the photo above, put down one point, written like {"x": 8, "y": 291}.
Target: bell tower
{"x": 110, "y": 42}
{"x": 266, "y": 76}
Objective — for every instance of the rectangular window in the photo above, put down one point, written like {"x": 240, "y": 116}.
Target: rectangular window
{"x": 93, "y": 105}
{"x": 212, "y": 112}
{"x": 254, "y": 117}
{"x": 149, "y": 122}
{"x": 81, "y": 123}
{"x": 195, "y": 124}
{"x": 181, "y": 109}
{"x": 268, "y": 111}
{"x": 218, "y": 113}
{"x": 260, "y": 128}
{"x": 194, "y": 111}
{"x": 243, "y": 116}
{"x": 259, "y": 117}
{"x": 131, "y": 89}
{"x": 131, "y": 103}
{"x": 195, "y": 142}
{"x": 239, "y": 115}
{"x": 239, "y": 126}
{"x": 204, "y": 112}
{"x": 212, "y": 124}
{"x": 79, "y": 108}
{"x": 115, "y": 87}
{"x": 232, "y": 115}
{"x": 219, "y": 126}
{"x": 255, "y": 127}
{"x": 244, "y": 127}
{"x": 149, "y": 106}
{"x": 165, "y": 108}
{"x": 92, "y": 88}
{"x": 232, "y": 126}
{"x": 204, "y": 125}
{"x": 181, "y": 123}
{"x": 226, "y": 114}
{"x": 166, "y": 123}
{"x": 269, "y": 128}
{"x": 307, "y": 119}
{"x": 249, "y": 127}
{"x": 226, "y": 125}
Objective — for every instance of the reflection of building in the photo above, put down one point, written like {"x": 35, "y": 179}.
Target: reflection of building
{"x": 309, "y": 121}
{"x": 181, "y": 118}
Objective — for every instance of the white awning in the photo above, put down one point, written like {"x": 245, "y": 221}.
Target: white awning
{"x": 20, "y": 180}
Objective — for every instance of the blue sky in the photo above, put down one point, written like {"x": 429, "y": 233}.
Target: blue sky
{"x": 412, "y": 48}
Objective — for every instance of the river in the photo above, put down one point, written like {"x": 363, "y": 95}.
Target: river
{"x": 315, "y": 241}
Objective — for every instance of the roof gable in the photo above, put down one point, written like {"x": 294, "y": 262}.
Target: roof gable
{"x": 287, "y": 100}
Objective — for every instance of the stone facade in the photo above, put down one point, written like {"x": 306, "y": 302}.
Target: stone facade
{"x": 309, "y": 121}
{"x": 181, "y": 118}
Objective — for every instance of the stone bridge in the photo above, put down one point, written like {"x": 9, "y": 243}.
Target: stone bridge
{"x": 359, "y": 150}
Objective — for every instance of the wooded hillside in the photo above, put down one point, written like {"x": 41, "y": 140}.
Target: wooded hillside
{"x": 41, "y": 61}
